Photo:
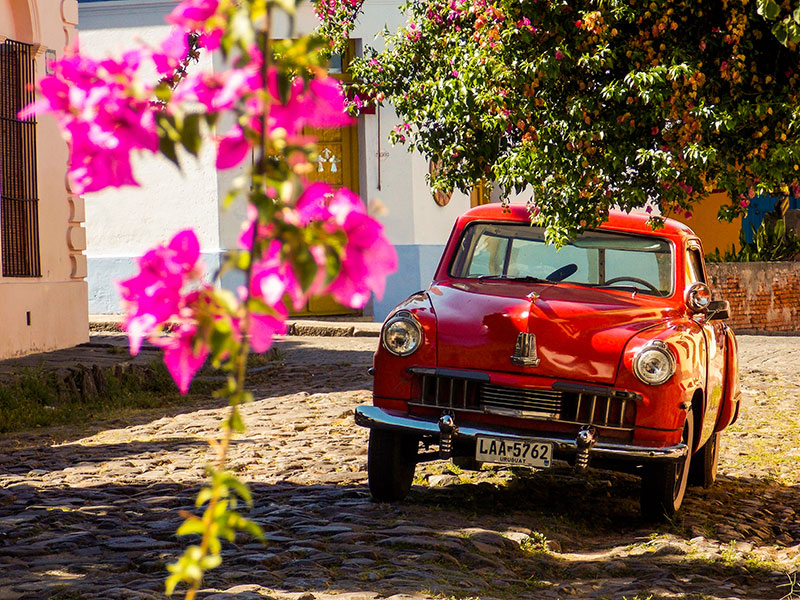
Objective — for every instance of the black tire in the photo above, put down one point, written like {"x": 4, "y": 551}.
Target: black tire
{"x": 703, "y": 470}
{"x": 391, "y": 460}
{"x": 664, "y": 485}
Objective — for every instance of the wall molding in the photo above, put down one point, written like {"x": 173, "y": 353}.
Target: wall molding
{"x": 123, "y": 13}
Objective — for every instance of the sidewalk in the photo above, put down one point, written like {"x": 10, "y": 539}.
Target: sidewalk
{"x": 108, "y": 345}
{"x": 331, "y": 327}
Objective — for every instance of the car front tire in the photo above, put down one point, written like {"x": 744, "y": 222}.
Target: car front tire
{"x": 664, "y": 485}
{"x": 703, "y": 471}
{"x": 391, "y": 460}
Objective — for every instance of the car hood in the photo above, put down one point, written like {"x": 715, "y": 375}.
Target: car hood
{"x": 580, "y": 332}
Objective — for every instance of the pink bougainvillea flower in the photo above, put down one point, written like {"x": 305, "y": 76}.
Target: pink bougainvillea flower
{"x": 172, "y": 52}
{"x": 315, "y": 103}
{"x": 233, "y": 149}
{"x": 273, "y": 278}
{"x": 264, "y": 328}
{"x": 312, "y": 205}
{"x": 155, "y": 294}
{"x": 200, "y": 16}
{"x": 218, "y": 91}
{"x": 368, "y": 256}
{"x": 104, "y": 114}
{"x": 184, "y": 354}
{"x": 191, "y": 14}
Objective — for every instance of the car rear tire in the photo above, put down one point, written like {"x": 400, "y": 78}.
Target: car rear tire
{"x": 703, "y": 470}
{"x": 664, "y": 485}
{"x": 391, "y": 460}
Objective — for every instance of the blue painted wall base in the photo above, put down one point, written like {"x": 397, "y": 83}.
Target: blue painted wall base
{"x": 416, "y": 265}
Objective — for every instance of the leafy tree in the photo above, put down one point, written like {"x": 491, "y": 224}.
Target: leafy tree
{"x": 588, "y": 104}
{"x": 786, "y": 16}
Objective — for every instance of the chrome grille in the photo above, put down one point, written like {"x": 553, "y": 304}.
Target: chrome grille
{"x": 521, "y": 401}
{"x": 449, "y": 392}
{"x": 600, "y": 407}
{"x": 604, "y": 411}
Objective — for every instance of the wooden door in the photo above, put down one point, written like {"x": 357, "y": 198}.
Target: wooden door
{"x": 337, "y": 165}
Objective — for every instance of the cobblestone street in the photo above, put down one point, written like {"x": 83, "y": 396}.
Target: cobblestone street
{"x": 91, "y": 512}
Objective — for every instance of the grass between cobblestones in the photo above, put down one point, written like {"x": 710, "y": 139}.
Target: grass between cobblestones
{"x": 39, "y": 397}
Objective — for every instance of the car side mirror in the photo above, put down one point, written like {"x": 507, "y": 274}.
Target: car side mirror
{"x": 718, "y": 309}
{"x": 698, "y": 298}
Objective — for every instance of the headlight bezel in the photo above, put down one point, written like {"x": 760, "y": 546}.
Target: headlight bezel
{"x": 406, "y": 318}
{"x": 661, "y": 348}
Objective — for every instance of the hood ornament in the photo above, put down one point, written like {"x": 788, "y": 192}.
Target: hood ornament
{"x": 525, "y": 351}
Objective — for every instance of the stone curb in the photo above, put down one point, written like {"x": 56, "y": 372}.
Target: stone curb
{"x": 299, "y": 327}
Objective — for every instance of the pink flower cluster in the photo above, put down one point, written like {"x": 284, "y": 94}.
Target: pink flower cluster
{"x": 104, "y": 111}
{"x": 166, "y": 290}
{"x": 200, "y": 16}
{"x": 100, "y": 116}
{"x": 318, "y": 102}
{"x": 366, "y": 260}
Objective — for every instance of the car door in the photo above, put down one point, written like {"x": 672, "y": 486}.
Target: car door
{"x": 715, "y": 339}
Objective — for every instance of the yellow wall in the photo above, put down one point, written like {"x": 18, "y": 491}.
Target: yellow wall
{"x": 713, "y": 232}
{"x": 51, "y": 311}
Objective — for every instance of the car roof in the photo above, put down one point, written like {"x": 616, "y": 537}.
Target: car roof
{"x": 634, "y": 222}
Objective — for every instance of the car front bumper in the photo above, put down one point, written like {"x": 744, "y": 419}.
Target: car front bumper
{"x": 563, "y": 446}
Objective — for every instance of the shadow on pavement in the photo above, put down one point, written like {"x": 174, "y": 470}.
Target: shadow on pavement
{"x": 447, "y": 541}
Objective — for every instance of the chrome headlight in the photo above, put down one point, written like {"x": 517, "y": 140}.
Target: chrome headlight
{"x": 654, "y": 364}
{"x": 402, "y": 334}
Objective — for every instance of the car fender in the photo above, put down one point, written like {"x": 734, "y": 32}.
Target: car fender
{"x": 393, "y": 384}
{"x": 663, "y": 407}
{"x": 729, "y": 408}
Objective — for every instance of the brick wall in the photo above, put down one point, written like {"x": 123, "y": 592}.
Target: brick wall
{"x": 764, "y": 296}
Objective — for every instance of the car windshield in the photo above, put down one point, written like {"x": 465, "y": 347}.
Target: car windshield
{"x": 517, "y": 251}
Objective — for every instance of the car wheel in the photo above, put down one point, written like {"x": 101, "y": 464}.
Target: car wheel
{"x": 391, "y": 460}
{"x": 703, "y": 470}
{"x": 664, "y": 485}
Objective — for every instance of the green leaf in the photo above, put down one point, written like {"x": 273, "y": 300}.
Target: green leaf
{"x": 211, "y": 561}
{"x": 235, "y": 422}
{"x": 191, "y": 526}
{"x": 167, "y": 147}
{"x": 204, "y": 496}
{"x": 771, "y": 9}
{"x": 240, "y": 488}
{"x": 780, "y": 31}
{"x": 190, "y": 135}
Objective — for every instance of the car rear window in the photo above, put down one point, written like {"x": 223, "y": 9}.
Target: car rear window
{"x": 595, "y": 258}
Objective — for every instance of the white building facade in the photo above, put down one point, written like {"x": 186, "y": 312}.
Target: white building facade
{"x": 42, "y": 265}
{"x": 122, "y": 224}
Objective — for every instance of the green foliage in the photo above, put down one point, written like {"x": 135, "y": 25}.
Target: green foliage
{"x": 786, "y": 16}
{"x": 536, "y": 542}
{"x": 219, "y": 520}
{"x": 593, "y": 104}
{"x": 771, "y": 242}
{"x": 37, "y": 397}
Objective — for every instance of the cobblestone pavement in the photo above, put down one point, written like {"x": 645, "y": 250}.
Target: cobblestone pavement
{"x": 92, "y": 512}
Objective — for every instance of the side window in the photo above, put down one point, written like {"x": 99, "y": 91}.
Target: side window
{"x": 694, "y": 267}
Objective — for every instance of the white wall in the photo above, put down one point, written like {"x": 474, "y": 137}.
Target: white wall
{"x": 122, "y": 224}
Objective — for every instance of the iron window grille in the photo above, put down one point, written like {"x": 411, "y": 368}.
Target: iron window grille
{"x": 19, "y": 204}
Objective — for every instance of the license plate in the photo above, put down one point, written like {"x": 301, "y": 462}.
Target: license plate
{"x": 513, "y": 452}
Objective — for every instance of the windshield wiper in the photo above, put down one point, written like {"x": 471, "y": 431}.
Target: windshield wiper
{"x": 524, "y": 278}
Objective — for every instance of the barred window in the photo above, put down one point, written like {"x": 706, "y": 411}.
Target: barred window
{"x": 19, "y": 210}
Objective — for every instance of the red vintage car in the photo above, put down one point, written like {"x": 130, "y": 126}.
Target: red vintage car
{"x": 608, "y": 352}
